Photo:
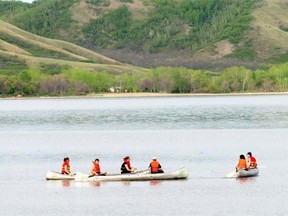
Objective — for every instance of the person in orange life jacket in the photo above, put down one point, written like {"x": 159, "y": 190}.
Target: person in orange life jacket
{"x": 95, "y": 171}
{"x": 155, "y": 166}
{"x": 66, "y": 167}
{"x": 242, "y": 164}
{"x": 251, "y": 161}
{"x": 126, "y": 166}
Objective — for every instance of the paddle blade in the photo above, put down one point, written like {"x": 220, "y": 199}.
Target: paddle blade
{"x": 81, "y": 177}
{"x": 231, "y": 174}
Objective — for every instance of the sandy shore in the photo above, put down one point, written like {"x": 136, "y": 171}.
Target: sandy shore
{"x": 146, "y": 94}
{"x": 112, "y": 95}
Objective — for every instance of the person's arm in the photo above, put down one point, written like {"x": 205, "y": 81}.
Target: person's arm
{"x": 127, "y": 168}
{"x": 92, "y": 172}
{"x": 66, "y": 169}
{"x": 237, "y": 165}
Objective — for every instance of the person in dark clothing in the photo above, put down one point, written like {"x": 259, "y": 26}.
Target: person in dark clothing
{"x": 126, "y": 167}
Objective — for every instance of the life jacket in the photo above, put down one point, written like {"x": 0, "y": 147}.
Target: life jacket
{"x": 123, "y": 167}
{"x": 96, "y": 168}
{"x": 154, "y": 166}
{"x": 128, "y": 164}
{"x": 253, "y": 162}
{"x": 242, "y": 164}
{"x": 65, "y": 167}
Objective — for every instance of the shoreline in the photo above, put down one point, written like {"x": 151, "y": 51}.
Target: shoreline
{"x": 145, "y": 94}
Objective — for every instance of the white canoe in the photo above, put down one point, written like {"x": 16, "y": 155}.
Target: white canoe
{"x": 247, "y": 173}
{"x": 140, "y": 176}
{"x": 52, "y": 175}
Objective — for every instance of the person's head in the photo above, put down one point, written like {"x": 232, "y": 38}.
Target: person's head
{"x": 126, "y": 158}
{"x": 242, "y": 156}
{"x": 249, "y": 154}
{"x": 154, "y": 158}
{"x": 66, "y": 159}
{"x": 96, "y": 160}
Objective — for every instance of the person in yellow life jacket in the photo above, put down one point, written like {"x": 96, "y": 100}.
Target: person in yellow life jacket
{"x": 251, "y": 161}
{"x": 155, "y": 166}
{"x": 95, "y": 171}
{"x": 66, "y": 167}
{"x": 242, "y": 164}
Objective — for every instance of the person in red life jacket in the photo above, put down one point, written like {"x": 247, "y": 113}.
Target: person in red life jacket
{"x": 242, "y": 163}
{"x": 126, "y": 166}
{"x": 155, "y": 166}
{"x": 95, "y": 171}
{"x": 66, "y": 167}
{"x": 251, "y": 161}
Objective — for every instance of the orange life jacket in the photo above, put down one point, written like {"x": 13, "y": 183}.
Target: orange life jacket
{"x": 154, "y": 166}
{"x": 253, "y": 162}
{"x": 96, "y": 168}
{"x": 242, "y": 164}
{"x": 65, "y": 167}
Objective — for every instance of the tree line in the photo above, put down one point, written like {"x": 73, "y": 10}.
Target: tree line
{"x": 66, "y": 81}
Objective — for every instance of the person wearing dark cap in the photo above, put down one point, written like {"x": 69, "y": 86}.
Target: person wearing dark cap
{"x": 126, "y": 166}
{"x": 155, "y": 166}
{"x": 251, "y": 161}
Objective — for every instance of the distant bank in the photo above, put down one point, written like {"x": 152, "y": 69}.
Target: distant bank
{"x": 143, "y": 94}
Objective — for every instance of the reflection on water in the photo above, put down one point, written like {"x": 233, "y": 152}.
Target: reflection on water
{"x": 65, "y": 183}
{"x": 246, "y": 180}
{"x": 155, "y": 183}
{"x": 71, "y": 183}
{"x": 96, "y": 184}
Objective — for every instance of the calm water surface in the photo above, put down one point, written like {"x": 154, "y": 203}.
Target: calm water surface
{"x": 204, "y": 134}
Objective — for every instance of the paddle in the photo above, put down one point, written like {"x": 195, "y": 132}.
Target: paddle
{"x": 231, "y": 174}
{"x": 80, "y": 177}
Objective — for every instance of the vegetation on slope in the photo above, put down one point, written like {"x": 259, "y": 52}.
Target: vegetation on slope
{"x": 170, "y": 24}
{"x": 33, "y": 65}
{"x": 30, "y": 63}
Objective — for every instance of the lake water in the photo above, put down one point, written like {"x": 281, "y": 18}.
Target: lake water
{"x": 205, "y": 134}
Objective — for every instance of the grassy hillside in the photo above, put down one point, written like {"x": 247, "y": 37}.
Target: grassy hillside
{"x": 270, "y": 30}
{"x": 34, "y": 65}
{"x": 191, "y": 33}
{"x": 144, "y": 32}
{"x": 31, "y": 51}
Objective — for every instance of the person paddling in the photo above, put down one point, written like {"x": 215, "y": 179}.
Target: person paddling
{"x": 96, "y": 171}
{"x": 66, "y": 167}
{"x": 126, "y": 166}
{"x": 155, "y": 166}
{"x": 242, "y": 164}
{"x": 251, "y": 161}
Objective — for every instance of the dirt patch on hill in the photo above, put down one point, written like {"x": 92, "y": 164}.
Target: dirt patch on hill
{"x": 83, "y": 12}
{"x": 223, "y": 48}
{"x": 137, "y": 8}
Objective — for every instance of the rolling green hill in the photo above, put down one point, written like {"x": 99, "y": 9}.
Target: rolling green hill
{"x": 191, "y": 33}
{"x": 33, "y": 50}
{"x": 34, "y": 65}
